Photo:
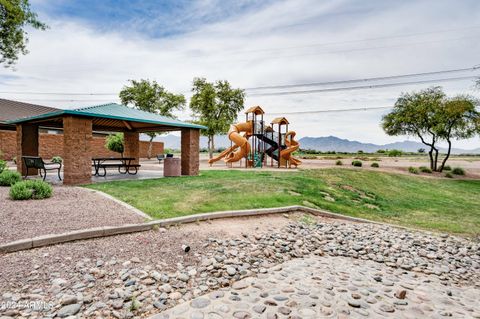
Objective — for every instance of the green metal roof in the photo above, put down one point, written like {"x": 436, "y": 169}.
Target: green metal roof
{"x": 116, "y": 112}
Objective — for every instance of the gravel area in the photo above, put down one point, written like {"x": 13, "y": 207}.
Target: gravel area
{"x": 70, "y": 208}
{"x": 333, "y": 287}
{"x": 142, "y": 274}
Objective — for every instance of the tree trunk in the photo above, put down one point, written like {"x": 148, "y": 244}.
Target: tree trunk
{"x": 210, "y": 150}
{"x": 213, "y": 143}
{"x": 436, "y": 159}
{"x": 430, "y": 154}
{"x": 150, "y": 146}
{"x": 446, "y": 157}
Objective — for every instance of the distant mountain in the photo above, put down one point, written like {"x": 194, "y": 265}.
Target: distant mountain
{"x": 324, "y": 144}
{"x": 332, "y": 143}
{"x": 174, "y": 142}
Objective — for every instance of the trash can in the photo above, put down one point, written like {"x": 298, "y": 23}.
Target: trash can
{"x": 172, "y": 167}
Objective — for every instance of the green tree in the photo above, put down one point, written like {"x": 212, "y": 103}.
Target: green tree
{"x": 216, "y": 106}
{"x": 115, "y": 143}
{"x": 15, "y": 16}
{"x": 151, "y": 97}
{"x": 432, "y": 117}
{"x": 457, "y": 119}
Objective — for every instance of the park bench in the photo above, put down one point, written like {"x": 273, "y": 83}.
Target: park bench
{"x": 38, "y": 163}
{"x": 161, "y": 157}
{"x": 123, "y": 164}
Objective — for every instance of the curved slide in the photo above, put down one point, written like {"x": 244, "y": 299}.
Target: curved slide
{"x": 292, "y": 146}
{"x": 222, "y": 154}
{"x": 240, "y": 141}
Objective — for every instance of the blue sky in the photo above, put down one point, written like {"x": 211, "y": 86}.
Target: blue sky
{"x": 97, "y": 46}
{"x": 155, "y": 19}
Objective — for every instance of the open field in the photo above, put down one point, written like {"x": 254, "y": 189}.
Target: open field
{"x": 434, "y": 204}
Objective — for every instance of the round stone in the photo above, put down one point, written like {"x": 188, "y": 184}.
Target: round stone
{"x": 200, "y": 302}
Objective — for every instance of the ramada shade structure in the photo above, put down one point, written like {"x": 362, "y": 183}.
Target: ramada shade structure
{"x": 78, "y": 125}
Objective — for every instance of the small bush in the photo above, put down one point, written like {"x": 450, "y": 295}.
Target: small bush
{"x": 14, "y": 160}
{"x": 375, "y": 165}
{"x": 449, "y": 175}
{"x": 3, "y": 165}
{"x": 357, "y": 163}
{"x": 447, "y": 168}
{"x": 339, "y": 162}
{"x": 114, "y": 143}
{"x": 8, "y": 178}
{"x": 413, "y": 170}
{"x": 36, "y": 189}
{"x": 57, "y": 159}
{"x": 394, "y": 153}
{"x": 425, "y": 169}
{"x": 458, "y": 171}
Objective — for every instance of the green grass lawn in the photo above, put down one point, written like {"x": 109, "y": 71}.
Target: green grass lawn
{"x": 435, "y": 204}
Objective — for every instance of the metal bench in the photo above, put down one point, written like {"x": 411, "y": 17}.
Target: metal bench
{"x": 160, "y": 158}
{"x": 123, "y": 164}
{"x": 37, "y": 162}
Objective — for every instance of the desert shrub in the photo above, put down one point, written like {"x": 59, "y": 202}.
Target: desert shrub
{"x": 447, "y": 168}
{"x": 458, "y": 171}
{"x": 36, "y": 189}
{"x": 8, "y": 178}
{"x": 375, "y": 165}
{"x": 57, "y": 159}
{"x": 425, "y": 169}
{"x": 339, "y": 162}
{"x": 394, "y": 153}
{"x": 449, "y": 175}
{"x": 413, "y": 170}
{"x": 3, "y": 165}
{"x": 381, "y": 151}
{"x": 360, "y": 152}
{"x": 357, "y": 163}
{"x": 114, "y": 143}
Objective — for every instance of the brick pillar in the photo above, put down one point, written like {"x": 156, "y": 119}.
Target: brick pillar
{"x": 27, "y": 145}
{"x": 131, "y": 146}
{"x": 190, "y": 151}
{"x": 77, "y": 138}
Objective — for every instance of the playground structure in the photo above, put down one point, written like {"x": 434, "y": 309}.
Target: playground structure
{"x": 256, "y": 142}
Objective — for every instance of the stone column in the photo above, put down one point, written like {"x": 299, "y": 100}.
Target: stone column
{"x": 131, "y": 146}
{"x": 27, "y": 145}
{"x": 190, "y": 151}
{"x": 77, "y": 138}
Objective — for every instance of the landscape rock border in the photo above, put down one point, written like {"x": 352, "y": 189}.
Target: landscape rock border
{"x": 90, "y": 233}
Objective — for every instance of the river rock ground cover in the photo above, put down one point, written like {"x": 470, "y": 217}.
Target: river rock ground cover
{"x": 143, "y": 274}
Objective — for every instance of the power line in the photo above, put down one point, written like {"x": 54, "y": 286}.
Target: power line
{"x": 392, "y": 77}
{"x": 361, "y": 87}
{"x": 235, "y": 52}
{"x": 474, "y": 68}
{"x": 333, "y": 110}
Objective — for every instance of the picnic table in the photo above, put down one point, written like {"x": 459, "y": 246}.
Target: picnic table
{"x": 124, "y": 165}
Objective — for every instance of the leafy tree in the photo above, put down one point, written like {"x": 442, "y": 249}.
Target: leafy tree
{"x": 432, "y": 117}
{"x": 457, "y": 119}
{"x": 216, "y": 106}
{"x": 15, "y": 15}
{"x": 149, "y": 96}
{"x": 115, "y": 143}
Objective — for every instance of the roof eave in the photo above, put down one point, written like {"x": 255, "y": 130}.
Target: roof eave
{"x": 87, "y": 114}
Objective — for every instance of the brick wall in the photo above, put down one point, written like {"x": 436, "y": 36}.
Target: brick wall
{"x": 52, "y": 145}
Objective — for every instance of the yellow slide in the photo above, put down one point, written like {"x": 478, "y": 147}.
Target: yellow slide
{"x": 222, "y": 154}
{"x": 239, "y": 140}
{"x": 292, "y": 146}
